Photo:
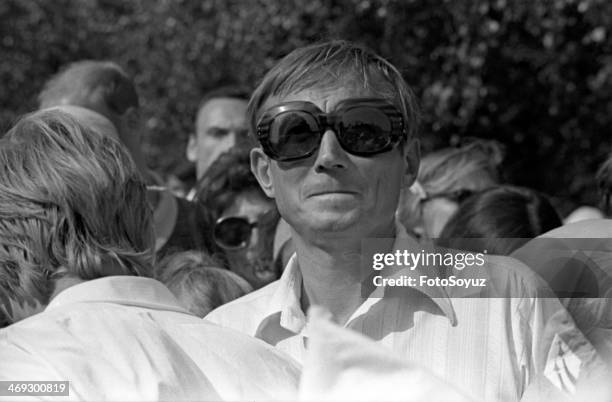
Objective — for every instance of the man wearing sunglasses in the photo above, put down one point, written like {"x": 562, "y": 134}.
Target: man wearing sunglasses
{"x": 336, "y": 125}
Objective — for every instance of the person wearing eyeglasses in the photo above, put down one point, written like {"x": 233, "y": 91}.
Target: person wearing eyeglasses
{"x": 446, "y": 178}
{"x": 337, "y": 126}
{"x": 244, "y": 217}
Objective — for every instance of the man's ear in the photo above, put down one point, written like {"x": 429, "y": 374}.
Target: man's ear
{"x": 412, "y": 153}
{"x": 192, "y": 148}
{"x": 260, "y": 166}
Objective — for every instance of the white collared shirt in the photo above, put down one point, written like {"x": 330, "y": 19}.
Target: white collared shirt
{"x": 491, "y": 348}
{"x": 127, "y": 338}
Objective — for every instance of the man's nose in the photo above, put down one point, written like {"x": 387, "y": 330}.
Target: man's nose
{"x": 330, "y": 155}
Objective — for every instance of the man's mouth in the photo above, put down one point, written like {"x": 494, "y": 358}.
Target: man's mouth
{"x": 332, "y": 192}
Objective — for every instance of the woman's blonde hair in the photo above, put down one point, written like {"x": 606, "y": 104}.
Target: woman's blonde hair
{"x": 71, "y": 204}
{"x": 451, "y": 173}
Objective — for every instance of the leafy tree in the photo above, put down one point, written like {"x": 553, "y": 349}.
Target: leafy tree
{"x": 536, "y": 75}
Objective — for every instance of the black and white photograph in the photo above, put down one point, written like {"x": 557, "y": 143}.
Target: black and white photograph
{"x": 440, "y": 228}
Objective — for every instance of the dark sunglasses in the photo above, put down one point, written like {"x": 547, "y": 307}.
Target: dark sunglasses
{"x": 363, "y": 127}
{"x": 234, "y": 232}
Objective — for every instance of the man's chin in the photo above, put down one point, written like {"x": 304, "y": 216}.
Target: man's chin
{"x": 334, "y": 202}
{"x": 335, "y": 223}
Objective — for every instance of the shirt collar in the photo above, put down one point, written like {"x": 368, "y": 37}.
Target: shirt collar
{"x": 403, "y": 241}
{"x": 286, "y": 298}
{"x": 126, "y": 290}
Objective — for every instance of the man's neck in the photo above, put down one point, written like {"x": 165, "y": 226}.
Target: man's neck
{"x": 331, "y": 280}
{"x": 332, "y": 276}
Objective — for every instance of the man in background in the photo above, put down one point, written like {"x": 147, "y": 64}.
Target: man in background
{"x": 220, "y": 124}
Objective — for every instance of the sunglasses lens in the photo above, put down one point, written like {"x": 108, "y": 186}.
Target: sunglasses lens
{"x": 232, "y": 232}
{"x": 294, "y": 134}
{"x": 365, "y": 130}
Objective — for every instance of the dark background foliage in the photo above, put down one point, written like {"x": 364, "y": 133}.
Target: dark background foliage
{"x": 533, "y": 74}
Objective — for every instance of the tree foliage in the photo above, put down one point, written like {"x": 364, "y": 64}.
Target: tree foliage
{"x": 536, "y": 75}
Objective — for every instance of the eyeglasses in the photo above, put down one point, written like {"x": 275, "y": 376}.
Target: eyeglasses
{"x": 457, "y": 196}
{"x": 234, "y": 232}
{"x": 363, "y": 126}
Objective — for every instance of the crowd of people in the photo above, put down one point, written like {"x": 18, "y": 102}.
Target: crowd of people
{"x": 132, "y": 287}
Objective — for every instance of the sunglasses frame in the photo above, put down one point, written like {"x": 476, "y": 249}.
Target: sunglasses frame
{"x": 457, "y": 196}
{"x": 327, "y": 121}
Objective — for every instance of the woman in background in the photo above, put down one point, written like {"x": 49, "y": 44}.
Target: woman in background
{"x": 244, "y": 218}
{"x": 499, "y": 220}
{"x": 446, "y": 177}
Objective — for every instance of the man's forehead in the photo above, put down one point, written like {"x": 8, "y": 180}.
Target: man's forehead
{"x": 333, "y": 86}
{"x": 222, "y": 111}
{"x": 324, "y": 98}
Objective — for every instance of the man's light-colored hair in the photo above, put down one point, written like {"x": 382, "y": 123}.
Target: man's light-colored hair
{"x": 332, "y": 65}
{"x": 89, "y": 118}
{"x": 71, "y": 204}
